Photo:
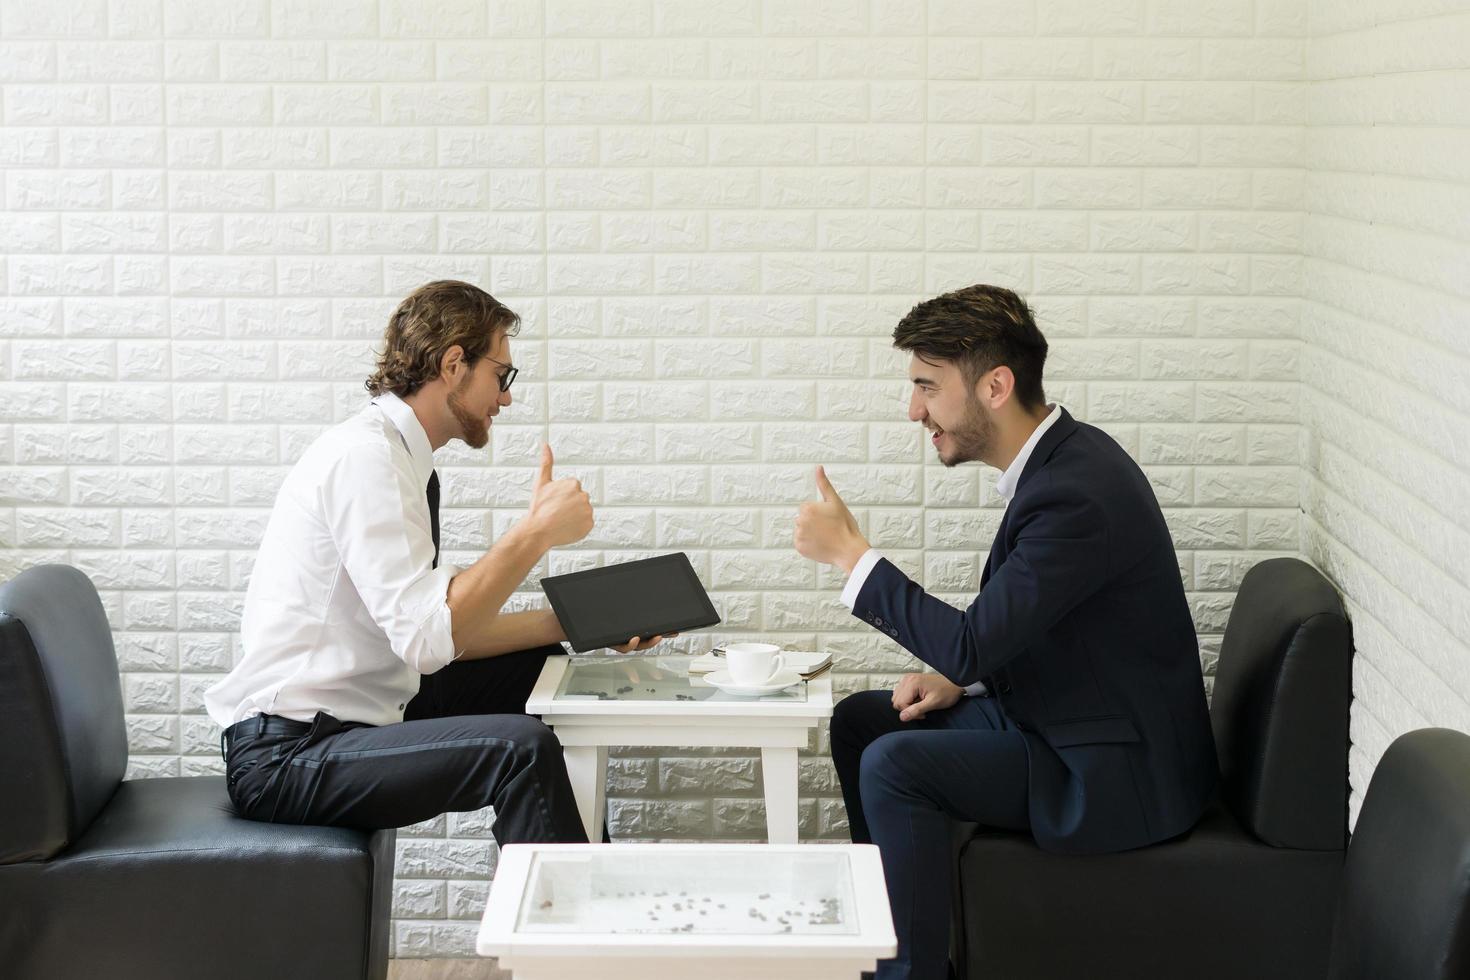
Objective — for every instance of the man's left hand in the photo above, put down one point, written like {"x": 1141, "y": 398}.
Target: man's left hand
{"x": 918, "y": 694}
{"x": 826, "y": 531}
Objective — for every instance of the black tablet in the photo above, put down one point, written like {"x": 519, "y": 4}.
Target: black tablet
{"x": 602, "y": 607}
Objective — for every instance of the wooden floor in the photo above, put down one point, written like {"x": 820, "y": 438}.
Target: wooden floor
{"x": 445, "y": 969}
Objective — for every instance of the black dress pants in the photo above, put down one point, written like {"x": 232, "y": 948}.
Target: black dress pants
{"x": 465, "y": 743}
{"x": 903, "y": 782}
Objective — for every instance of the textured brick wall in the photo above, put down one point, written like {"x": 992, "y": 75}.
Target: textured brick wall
{"x": 1385, "y": 370}
{"x": 710, "y": 214}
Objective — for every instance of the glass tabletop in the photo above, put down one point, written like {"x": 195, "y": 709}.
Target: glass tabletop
{"x": 630, "y": 678}
{"x": 710, "y": 893}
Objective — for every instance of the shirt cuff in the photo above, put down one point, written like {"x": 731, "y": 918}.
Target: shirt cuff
{"x": 430, "y": 645}
{"x": 859, "y": 576}
{"x": 977, "y": 690}
{"x": 451, "y": 571}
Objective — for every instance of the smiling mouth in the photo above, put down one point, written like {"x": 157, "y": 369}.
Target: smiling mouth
{"x": 934, "y": 434}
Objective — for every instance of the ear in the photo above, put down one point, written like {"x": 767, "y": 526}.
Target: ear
{"x": 997, "y": 387}
{"x": 452, "y": 365}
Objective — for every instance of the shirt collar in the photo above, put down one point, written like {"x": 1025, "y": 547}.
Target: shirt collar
{"x": 414, "y": 437}
{"x": 1006, "y": 485}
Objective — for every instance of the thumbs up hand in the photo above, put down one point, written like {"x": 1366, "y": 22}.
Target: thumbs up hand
{"x": 826, "y": 531}
{"x": 561, "y": 511}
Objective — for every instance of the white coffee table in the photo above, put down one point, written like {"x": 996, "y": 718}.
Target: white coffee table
{"x": 706, "y": 911}
{"x": 594, "y": 702}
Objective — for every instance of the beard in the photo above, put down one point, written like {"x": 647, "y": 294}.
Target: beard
{"x": 473, "y": 429}
{"x": 973, "y": 437}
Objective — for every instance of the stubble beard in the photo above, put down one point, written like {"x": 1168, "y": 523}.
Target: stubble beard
{"x": 473, "y": 429}
{"x": 973, "y": 437}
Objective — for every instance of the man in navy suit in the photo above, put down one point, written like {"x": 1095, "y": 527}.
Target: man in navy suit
{"x": 1068, "y": 698}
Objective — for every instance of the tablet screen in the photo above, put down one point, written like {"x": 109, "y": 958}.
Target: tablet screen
{"x": 606, "y": 606}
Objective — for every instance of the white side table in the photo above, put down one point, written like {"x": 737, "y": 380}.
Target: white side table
{"x": 711, "y": 911}
{"x": 594, "y": 702}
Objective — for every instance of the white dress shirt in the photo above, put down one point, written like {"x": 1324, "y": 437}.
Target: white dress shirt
{"x": 1005, "y": 487}
{"x": 344, "y": 611}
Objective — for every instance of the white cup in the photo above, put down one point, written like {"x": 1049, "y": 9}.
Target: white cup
{"x": 753, "y": 664}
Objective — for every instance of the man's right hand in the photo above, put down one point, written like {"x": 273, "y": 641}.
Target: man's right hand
{"x": 918, "y": 694}
{"x": 560, "y": 511}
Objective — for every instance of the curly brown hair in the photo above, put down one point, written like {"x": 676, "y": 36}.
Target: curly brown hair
{"x": 432, "y": 319}
{"x": 979, "y": 327}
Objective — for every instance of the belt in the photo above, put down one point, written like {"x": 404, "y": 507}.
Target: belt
{"x": 265, "y": 725}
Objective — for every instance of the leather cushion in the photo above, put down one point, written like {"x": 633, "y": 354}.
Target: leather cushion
{"x": 1215, "y": 899}
{"x": 1405, "y": 904}
{"x": 32, "y": 766}
{"x": 65, "y": 745}
{"x": 1280, "y": 708}
{"x": 169, "y": 882}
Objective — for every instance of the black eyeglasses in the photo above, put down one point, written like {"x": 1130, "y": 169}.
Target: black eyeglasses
{"x": 506, "y": 377}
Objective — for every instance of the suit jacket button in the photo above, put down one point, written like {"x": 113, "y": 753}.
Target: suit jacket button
{"x": 877, "y": 621}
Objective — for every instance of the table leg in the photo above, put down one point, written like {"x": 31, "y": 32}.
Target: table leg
{"x": 778, "y": 771}
{"x": 587, "y": 768}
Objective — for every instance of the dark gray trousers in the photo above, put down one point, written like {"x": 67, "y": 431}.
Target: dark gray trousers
{"x": 903, "y": 783}
{"x": 466, "y": 743}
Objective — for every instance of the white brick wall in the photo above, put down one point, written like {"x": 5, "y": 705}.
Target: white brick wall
{"x": 711, "y": 215}
{"x": 1385, "y": 359}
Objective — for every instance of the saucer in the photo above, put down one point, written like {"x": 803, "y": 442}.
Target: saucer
{"x": 721, "y": 679}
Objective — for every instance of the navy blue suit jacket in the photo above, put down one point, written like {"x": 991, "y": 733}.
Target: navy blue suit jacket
{"x": 1082, "y": 632}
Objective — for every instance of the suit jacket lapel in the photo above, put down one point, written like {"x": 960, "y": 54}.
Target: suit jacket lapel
{"x": 1063, "y": 427}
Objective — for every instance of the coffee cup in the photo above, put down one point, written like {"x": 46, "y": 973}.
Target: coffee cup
{"x": 753, "y": 664}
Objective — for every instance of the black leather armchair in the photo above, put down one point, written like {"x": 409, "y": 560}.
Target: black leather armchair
{"x": 1404, "y": 910}
{"x": 150, "y": 878}
{"x": 1250, "y": 891}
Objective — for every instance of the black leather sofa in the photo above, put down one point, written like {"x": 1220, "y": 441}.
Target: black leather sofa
{"x": 1404, "y": 909}
{"x": 1250, "y": 891}
{"x": 151, "y": 878}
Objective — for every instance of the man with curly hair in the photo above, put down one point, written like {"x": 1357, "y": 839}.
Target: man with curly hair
{"x": 379, "y": 687}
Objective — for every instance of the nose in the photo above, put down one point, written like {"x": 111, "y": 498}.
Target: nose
{"x": 504, "y": 398}
{"x": 917, "y": 412}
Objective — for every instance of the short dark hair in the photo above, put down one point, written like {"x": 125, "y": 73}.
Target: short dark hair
{"x": 430, "y": 320}
{"x": 979, "y": 328}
